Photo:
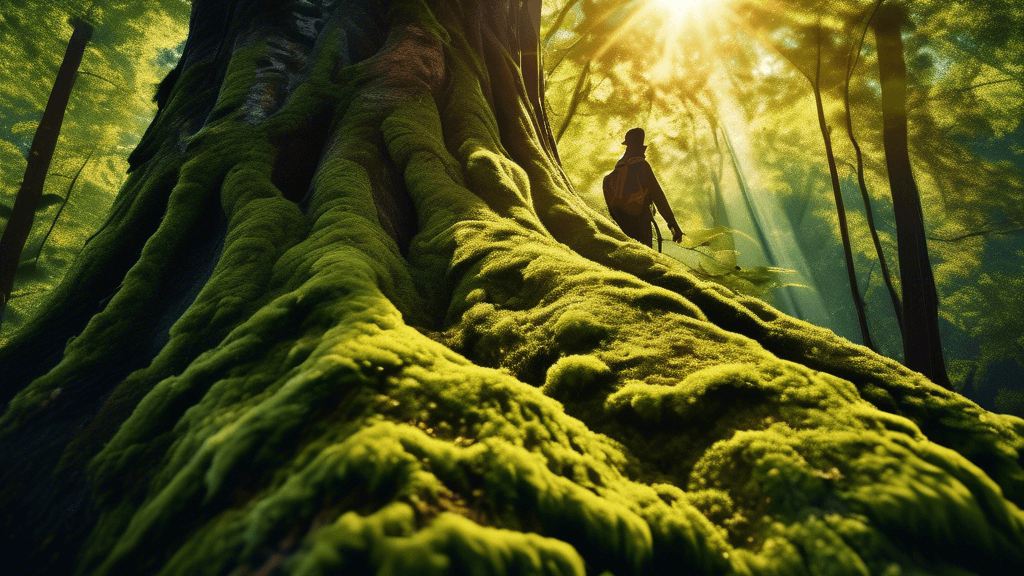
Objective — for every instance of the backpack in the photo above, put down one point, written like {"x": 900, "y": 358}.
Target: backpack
{"x": 620, "y": 203}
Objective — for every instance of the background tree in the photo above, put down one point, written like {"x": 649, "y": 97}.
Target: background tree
{"x": 132, "y": 48}
{"x": 348, "y": 314}
{"x": 19, "y": 224}
{"x": 921, "y": 343}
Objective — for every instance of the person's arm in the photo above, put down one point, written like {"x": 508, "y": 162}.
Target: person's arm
{"x": 650, "y": 183}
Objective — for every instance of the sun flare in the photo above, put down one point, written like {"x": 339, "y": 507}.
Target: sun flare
{"x": 694, "y": 8}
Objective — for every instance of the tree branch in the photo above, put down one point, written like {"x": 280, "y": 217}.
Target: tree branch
{"x": 1010, "y": 232}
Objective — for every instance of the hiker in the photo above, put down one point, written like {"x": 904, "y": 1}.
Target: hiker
{"x": 630, "y": 191}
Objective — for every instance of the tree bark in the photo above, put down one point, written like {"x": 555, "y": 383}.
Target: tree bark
{"x": 40, "y": 154}
{"x": 922, "y": 347}
{"x": 347, "y": 316}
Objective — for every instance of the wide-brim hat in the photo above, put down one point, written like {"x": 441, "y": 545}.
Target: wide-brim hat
{"x": 634, "y": 137}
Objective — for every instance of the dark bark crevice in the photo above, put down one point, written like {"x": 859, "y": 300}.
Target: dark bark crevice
{"x": 297, "y": 154}
{"x": 395, "y": 210}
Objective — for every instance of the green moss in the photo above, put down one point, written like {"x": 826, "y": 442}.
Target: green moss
{"x": 522, "y": 391}
{"x": 578, "y": 330}
{"x": 575, "y": 376}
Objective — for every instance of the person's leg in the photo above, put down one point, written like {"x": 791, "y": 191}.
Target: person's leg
{"x": 639, "y": 229}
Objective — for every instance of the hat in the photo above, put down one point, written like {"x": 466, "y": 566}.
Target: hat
{"x": 634, "y": 137}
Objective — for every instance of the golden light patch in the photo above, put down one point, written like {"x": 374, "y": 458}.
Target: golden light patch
{"x": 692, "y": 8}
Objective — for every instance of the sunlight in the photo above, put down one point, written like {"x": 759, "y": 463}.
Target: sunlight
{"x": 687, "y": 27}
{"x": 687, "y": 7}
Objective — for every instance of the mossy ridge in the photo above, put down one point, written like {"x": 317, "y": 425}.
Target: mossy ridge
{"x": 416, "y": 169}
{"x": 443, "y": 396}
{"x": 176, "y": 490}
{"x": 994, "y": 442}
{"x": 786, "y": 393}
{"x": 499, "y": 288}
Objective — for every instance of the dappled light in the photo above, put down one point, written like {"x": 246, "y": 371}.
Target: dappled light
{"x": 727, "y": 93}
{"x": 133, "y": 47}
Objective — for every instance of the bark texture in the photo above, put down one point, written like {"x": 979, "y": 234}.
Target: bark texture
{"x": 348, "y": 316}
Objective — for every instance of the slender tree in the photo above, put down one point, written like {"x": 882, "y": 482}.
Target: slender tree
{"x": 865, "y": 197}
{"x": 348, "y": 316}
{"x": 837, "y": 194}
{"x": 922, "y": 347}
{"x": 19, "y": 225}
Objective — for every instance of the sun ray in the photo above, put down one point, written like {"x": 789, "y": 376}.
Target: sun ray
{"x": 692, "y": 8}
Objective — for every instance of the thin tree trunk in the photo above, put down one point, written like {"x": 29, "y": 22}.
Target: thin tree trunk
{"x": 43, "y": 145}
{"x": 579, "y": 92}
{"x": 833, "y": 173}
{"x": 922, "y": 346}
{"x": 837, "y": 192}
{"x": 63, "y": 205}
{"x": 868, "y": 212}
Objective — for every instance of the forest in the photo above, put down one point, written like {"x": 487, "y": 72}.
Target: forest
{"x": 322, "y": 286}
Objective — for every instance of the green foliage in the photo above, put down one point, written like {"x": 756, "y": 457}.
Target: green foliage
{"x": 109, "y": 109}
{"x": 744, "y": 66}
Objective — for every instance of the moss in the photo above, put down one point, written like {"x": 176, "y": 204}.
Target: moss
{"x": 575, "y": 376}
{"x": 577, "y": 330}
{"x": 520, "y": 391}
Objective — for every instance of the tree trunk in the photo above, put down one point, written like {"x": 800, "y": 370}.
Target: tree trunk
{"x": 869, "y": 213}
{"x": 63, "y": 205}
{"x": 347, "y": 316}
{"x": 922, "y": 347}
{"x": 40, "y": 154}
{"x": 837, "y": 194}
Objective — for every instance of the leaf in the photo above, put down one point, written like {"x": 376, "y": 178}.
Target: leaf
{"x": 715, "y": 237}
{"x": 764, "y": 276}
{"x": 717, "y": 262}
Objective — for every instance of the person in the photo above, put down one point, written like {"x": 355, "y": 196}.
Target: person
{"x": 631, "y": 189}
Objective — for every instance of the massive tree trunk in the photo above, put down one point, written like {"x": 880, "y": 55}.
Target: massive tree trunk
{"x": 348, "y": 316}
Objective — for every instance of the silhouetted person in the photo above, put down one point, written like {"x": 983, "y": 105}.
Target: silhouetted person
{"x": 631, "y": 190}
